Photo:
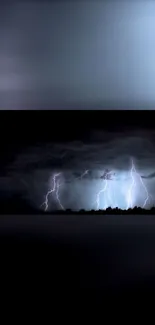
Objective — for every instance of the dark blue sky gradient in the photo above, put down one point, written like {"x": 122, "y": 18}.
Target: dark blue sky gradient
{"x": 77, "y": 55}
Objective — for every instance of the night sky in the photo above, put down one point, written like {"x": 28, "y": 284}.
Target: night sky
{"x": 77, "y": 54}
{"x": 87, "y": 151}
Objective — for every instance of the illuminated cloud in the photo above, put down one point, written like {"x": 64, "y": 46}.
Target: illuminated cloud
{"x": 81, "y": 167}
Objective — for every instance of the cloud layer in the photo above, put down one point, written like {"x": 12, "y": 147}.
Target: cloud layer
{"x": 32, "y": 171}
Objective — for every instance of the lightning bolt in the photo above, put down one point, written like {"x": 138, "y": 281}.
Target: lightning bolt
{"x": 107, "y": 191}
{"x": 111, "y": 196}
{"x": 99, "y": 193}
{"x": 146, "y": 191}
{"x": 83, "y": 174}
{"x": 57, "y": 195}
{"x": 129, "y": 194}
{"x": 103, "y": 190}
{"x": 133, "y": 184}
{"x": 54, "y": 189}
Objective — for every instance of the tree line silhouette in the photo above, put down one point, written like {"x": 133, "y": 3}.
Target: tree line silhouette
{"x": 19, "y": 205}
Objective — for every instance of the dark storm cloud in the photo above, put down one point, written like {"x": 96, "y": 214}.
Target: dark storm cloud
{"x": 105, "y": 150}
{"x": 152, "y": 175}
{"x": 77, "y": 54}
{"x": 32, "y": 170}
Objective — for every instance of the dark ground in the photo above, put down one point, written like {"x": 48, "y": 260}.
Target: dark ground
{"x": 104, "y": 255}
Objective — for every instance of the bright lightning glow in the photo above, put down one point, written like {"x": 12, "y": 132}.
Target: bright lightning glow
{"x": 57, "y": 195}
{"x": 110, "y": 195}
{"x": 99, "y": 194}
{"x": 124, "y": 191}
{"x": 55, "y": 189}
{"x": 146, "y": 191}
{"x": 134, "y": 173}
{"x": 105, "y": 189}
{"x": 129, "y": 194}
{"x": 52, "y": 190}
